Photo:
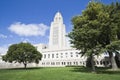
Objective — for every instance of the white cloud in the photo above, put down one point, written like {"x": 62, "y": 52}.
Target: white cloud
{"x": 3, "y": 36}
{"x": 3, "y": 50}
{"x": 28, "y": 29}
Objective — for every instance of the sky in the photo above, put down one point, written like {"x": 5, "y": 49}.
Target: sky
{"x": 29, "y": 20}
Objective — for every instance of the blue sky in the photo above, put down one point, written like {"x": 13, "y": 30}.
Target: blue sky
{"x": 34, "y": 17}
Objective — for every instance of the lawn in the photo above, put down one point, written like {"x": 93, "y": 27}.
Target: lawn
{"x": 64, "y": 73}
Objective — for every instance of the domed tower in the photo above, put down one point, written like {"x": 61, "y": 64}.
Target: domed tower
{"x": 58, "y": 18}
{"x": 57, "y": 33}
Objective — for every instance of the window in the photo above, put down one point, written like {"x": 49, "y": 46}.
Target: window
{"x": 48, "y": 55}
{"x": 97, "y": 63}
{"x": 52, "y": 63}
{"x": 67, "y": 63}
{"x": 76, "y": 54}
{"x": 59, "y": 18}
{"x": 83, "y": 63}
{"x": 61, "y": 55}
{"x": 80, "y": 62}
{"x": 44, "y": 56}
{"x": 62, "y": 63}
{"x": 52, "y": 55}
{"x": 66, "y": 54}
{"x": 71, "y": 54}
{"x": 107, "y": 62}
{"x": 43, "y": 63}
{"x": 57, "y": 55}
{"x": 74, "y": 63}
{"x": 100, "y": 62}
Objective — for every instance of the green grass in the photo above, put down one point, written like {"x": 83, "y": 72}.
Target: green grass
{"x": 65, "y": 73}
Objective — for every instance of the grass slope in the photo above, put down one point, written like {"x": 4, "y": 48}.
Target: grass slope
{"x": 66, "y": 73}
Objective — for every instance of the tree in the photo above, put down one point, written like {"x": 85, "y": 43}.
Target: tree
{"x": 107, "y": 31}
{"x": 22, "y": 53}
{"x": 113, "y": 47}
{"x": 85, "y": 33}
{"x": 99, "y": 25}
{"x": 112, "y": 32}
{"x": 117, "y": 58}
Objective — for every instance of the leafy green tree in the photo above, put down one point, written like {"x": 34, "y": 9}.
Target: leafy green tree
{"x": 85, "y": 33}
{"x": 112, "y": 34}
{"x": 22, "y": 53}
{"x": 115, "y": 19}
{"x": 97, "y": 27}
{"x": 113, "y": 49}
{"x": 107, "y": 31}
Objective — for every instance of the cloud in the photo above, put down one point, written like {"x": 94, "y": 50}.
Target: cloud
{"x": 3, "y": 36}
{"x": 22, "y": 29}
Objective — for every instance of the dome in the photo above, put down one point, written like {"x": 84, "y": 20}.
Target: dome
{"x": 58, "y": 17}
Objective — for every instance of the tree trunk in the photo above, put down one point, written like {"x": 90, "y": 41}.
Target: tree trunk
{"x": 25, "y": 65}
{"x": 112, "y": 60}
{"x": 92, "y": 63}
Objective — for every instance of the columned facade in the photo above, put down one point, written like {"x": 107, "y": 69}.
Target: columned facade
{"x": 66, "y": 57}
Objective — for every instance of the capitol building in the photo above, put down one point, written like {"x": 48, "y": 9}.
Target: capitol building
{"x": 57, "y": 53}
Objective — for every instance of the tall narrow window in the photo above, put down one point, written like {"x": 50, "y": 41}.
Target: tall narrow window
{"x": 76, "y": 54}
{"x": 71, "y": 54}
{"x": 57, "y": 55}
{"x": 48, "y": 55}
{"x": 66, "y": 54}
{"x": 44, "y": 56}
{"x": 61, "y": 55}
{"x": 52, "y": 55}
